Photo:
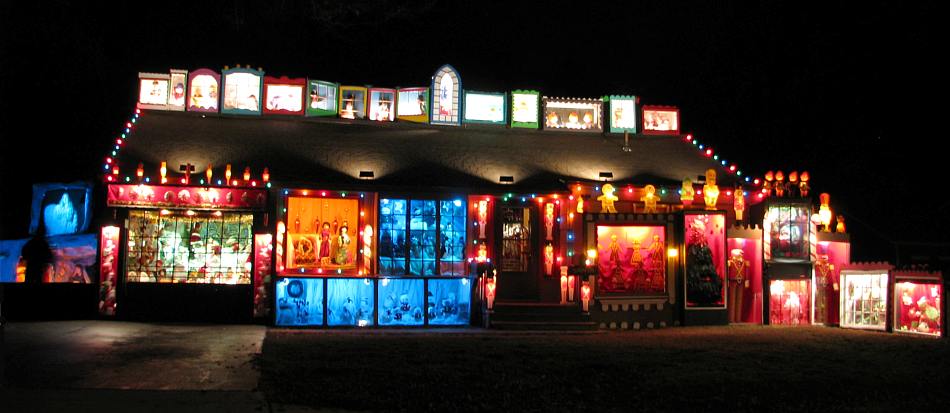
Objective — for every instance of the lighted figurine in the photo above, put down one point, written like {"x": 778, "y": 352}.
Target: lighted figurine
{"x": 738, "y": 282}
{"x": 588, "y": 120}
{"x": 572, "y": 120}
{"x": 803, "y": 187}
{"x": 580, "y": 204}
{"x": 482, "y": 253}
{"x": 792, "y": 183}
{"x": 840, "y": 227}
{"x": 615, "y": 253}
{"x": 824, "y": 271}
{"x": 824, "y": 211}
{"x": 348, "y": 111}
{"x": 607, "y": 199}
{"x": 711, "y": 190}
{"x": 324, "y": 242}
{"x": 657, "y": 263}
{"x": 343, "y": 243}
{"x": 548, "y": 258}
{"x": 779, "y": 184}
{"x": 649, "y": 199}
{"x": 549, "y": 220}
{"x": 482, "y": 218}
{"x": 768, "y": 185}
{"x": 551, "y": 120}
{"x": 639, "y": 275}
{"x": 687, "y": 193}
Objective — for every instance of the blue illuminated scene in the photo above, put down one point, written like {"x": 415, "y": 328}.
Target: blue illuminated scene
{"x": 350, "y": 302}
{"x": 448, "y": 301}
{"x": 299, "y": 302}
{"x": 401, "y": 302}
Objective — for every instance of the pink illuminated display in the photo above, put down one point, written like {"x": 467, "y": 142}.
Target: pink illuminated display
{"x": 705, "y": 260}
{"x": 831, "y": 256}
{"x": 749, "y": 287}
{"x": 789, "y": 302}
{"x": 631, "y": 259}
{"x": 263, "y": 249}
{"x": 108, "y": 268}
{"x": 186, "y": 197}
{"x": 918, "y": 307}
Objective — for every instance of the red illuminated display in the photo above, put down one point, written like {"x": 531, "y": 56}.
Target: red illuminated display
{"x": 186, "y": 197}
{"x": 789, "y": 302}
{"x": 918, "y": 308}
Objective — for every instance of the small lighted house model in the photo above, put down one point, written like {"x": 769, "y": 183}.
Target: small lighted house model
{"x": 661, "y": 120}
{"x": 204, "y": 86}
{"x": 485, "y": 107}
{"x": 352, "y": 102}
{"x": 622, "y": 113}
{"x": 918, "y": 303}
{"x": 153, "y": 91}
{"x": 382, "y": 104}
{"x": 524, "y": 108}
{"x": 321, "y": 98}
{"x": 574, "y": 115}
{"x": 284, "y": 96}
{"x": 242, "y": 91}
{"x": 446, "y": 97}
{"x": 412, "y": 104}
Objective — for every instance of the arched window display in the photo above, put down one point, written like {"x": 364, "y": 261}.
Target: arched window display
{"x": 189, "y": 247}
{"x": 203, "y": 88}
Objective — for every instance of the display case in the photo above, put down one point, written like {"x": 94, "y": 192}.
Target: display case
{"x": 661, "y": 120}
{"x": 153, "y": 91}
{"x": 323, "y": 231}
{"x": 412, "y": 104}
{"x": 485, "y": 107}
{"x": 242, "y": 91}
{"x": 422, "y": 236}
{"x": 705, "y": 260}
{"x": 284, "y": 96}
{"x": 204, "y": 85}
{"x": 744, "y": 272}
{"x": 918, "y": 303}
{"x": 832, "y": 253}
{"x": 300, "y": 302}
{"x": 401, "y": 302}
{"x": 382, "y": 104}
{"x": 788, "y": 230}
{"x": 864, "y": 298}
{"x": 446, "y": 97}
{"x": 789, "y": 302}
{"x": 351, "y": 302}
{"x": 573, "y": 115}
{"x": 622, "y": 113}
{"x": 631, "y": 259}
{"x": 322, "y": 98}
{"x": 352, "y": 102}
{"x": 525, "y": 108}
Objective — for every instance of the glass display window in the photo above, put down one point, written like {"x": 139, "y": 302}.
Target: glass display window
{"x": 661, "y": 120}
{"x": 351, "y": 302}
{"x": 485, "y": 107}
{"x": 189, "y": 247}
{"x": 631, "y": 259}
{"x": 413, "y": 104}
{"x": 448, "y": 301}
{"x": 622, "y": 114}
{"x": 864, "y": 299}
{"x": 401, "y": 302}
{"x": 322, "y": 98}
{"x": 705, "y": 260}
{"x": 299, "y": 302}
{"x": 322, "y": 235}
{"x": 744, "y": 271}
{"x": 788, "y": 229}
{"x": 153, "y": 90}
{"x": 352, "y": 102}
{"x": 421, "y": 237}
{"x": 243, "y": 91}
{"x": 789, "y": 302}
{"x": 382, "y": 104}
{"x": 918, "y": 307}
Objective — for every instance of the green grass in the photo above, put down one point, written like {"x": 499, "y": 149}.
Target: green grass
{"x": 739, "y": 368}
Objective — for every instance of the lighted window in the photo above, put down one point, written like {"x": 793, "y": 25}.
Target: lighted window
{"x": 788, "y": 231}
{"x": 189, "y": 247}
{"x": 917, "y": 307}
{"x": 631, "y": 259}
{"x": 322, "y": 234}
{"x": 421, "y": 237}
{"x": 864, "y": 300}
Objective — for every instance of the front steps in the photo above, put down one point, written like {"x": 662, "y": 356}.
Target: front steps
{"x": 540, "y": 316}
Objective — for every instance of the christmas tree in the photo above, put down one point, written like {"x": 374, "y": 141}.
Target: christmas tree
{"x": 703, "y": 284}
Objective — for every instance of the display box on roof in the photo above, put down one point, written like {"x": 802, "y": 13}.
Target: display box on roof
{"x": 412, "y": 104}
{"x": 446, "y": 97}
{"x": 203, "y": 88}
{"x": 352, "y": 102}
{"x": 485, "y": 107}
{"x": 178, "y": 90}
{"x": 185, "y": 197}
{"x": 573, "y": 114}
{"x": 153, "y": 90}
{"x": 622, "y": 113}
{"x": 524, "y": 108}
{"x": 322, "y": 98}
{"x": 284, "y": 96}
{"x": 242, "y": 91}
{"x": 382, "y": 104}
{"x": 661, "y": 120}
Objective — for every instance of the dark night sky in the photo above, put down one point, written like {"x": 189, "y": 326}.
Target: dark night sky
{"x": 845, "y": 91}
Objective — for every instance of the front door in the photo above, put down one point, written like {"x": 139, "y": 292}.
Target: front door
{"x": 517, "y": 270}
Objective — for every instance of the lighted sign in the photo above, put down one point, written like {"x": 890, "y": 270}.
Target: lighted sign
{"x": 203, "y": 88}
{"x": 622, "y": 113}
{"x": 242, "y": 91}
{"x": 412, "y": 104}
{"x": 382, "y": 104}
{"x": 446, "y": 96}
{"x": 153, "y": 91}
{"x": 322, "y": 98}
{"x": 352, "y": 102}
{"x": 661, "y": 120}
{"x": 573, "y": 114}
{"x": 284, "y": 96}
{"x": 482, "y": 107}
{"x": 524, "y": 108}
{"x": 177, "y": 91}
{"x": 186, "y": 197}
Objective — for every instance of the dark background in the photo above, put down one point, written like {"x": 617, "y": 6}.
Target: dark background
{"x": 845, "y": 91}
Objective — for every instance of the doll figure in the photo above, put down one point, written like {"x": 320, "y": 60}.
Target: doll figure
{"x": 430, "y": 305}
{"x": 738, "y": 203}
{"x": 657, "y": 256}
{"x": 572, "y": 120}
{"x": 325, "y": 241}
{"x": 482, "y": 218}
{"x": 649, "y": 199}
{"x": 687, "y": 193}
{"x": 548, "y": 259}
{"x": 366, "y": 311}
{"x": 448, "y": 305}
{"x": 348, "y": 315}
{"x": 710, "y": 190}
{"x": 738, "y": 267}
{"x": 779, "y": 184}
{"x": 549, "y": 220}
{"x": 768, "y": 185}
{"x": 343, "y": 243}
{"x": 588, "y": 120}
{"x": 607, "y": 199}
{"x": 840, "y": 227}
{"x": 614, "y": 249}
{"x": 640, "y": 277}
{"x": 551, "y": 120}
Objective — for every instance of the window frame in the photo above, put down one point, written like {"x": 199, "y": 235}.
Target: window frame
{"x": 407, "y": 232}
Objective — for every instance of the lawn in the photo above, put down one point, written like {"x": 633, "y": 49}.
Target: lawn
{"x": 740, "y": 368}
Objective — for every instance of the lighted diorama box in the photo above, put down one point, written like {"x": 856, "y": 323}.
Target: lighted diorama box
{"x": 788, "y": 267}
{"x": 242, "y": 91}
{"x": 744, "y": 272}
{"x": 525, "y": 108}
{"x": 352, "y": 102}
{"x": 412, "y": 104}
{"x": 204, "y": 86}
{"x": 832, "y": 253}
{"x": 382, "y": 104}
{"x": 162, "y": 91}
{"x": 864, "y": 296}
{"x": 622, "y": 113}
{"x": 661, "y": 120}
{"x": 322, "y": 98}
{"x": 705, "y": 265}
{"x": 485, "y": 107}
{"x": 284, "y": 96}
{"x": 573, "y": 115}
{"x": 919, "y": 306}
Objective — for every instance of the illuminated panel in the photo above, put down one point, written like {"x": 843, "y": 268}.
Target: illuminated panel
{"x": 705, "y": 260}
{"x": 864, "y": 299}
{"x": 284, "y": 96}
{"x": 573, "y": 114}
{"x": 153, "y": 91}
{"x": 787, "y": 229}
{"x": 401, "y": 302}
{"x": 322, "y": 98}
{"x": 352, "y": 102}
{"x": 299, "y": 302}
{"x": 322, "y": 235}
{"x": 412, "y": 104}
{"x": 263, "y": 248}
{"x": 622, "y": 114}
{"x": 745, "y": 280}
{"x": 789, "y": 302}
{"x": 918, "y": 307}
{"x": 482, "y": 107}
{"x": 74, "y": 259}
{"x": 186, "y": 197}
{"x": 382, "y": 104}
{"x": 64, "y": 209}
{"x": 631, "y": 259}
{"x": 177, "y": 90}
{"x": 524, "y": 108}
{"x": 446, "y": 97}
{"x": 108, "y": 268}
{"x": 661, "y": 120}
{"x": 204, "y": 85}
{"x": 242, "y": 91}
{"x": 350, "y": 302}
{"x": 448, "y": 301}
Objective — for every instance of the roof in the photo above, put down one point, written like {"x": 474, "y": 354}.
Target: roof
{"x": 332, "y": 152}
